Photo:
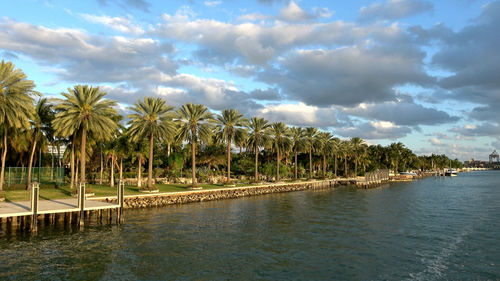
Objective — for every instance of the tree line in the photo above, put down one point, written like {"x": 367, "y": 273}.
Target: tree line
{"x": 176, "y": 141}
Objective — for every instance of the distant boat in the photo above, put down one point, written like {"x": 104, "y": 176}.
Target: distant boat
{"x": 451, "y": 173}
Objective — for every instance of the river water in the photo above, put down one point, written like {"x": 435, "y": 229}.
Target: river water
{"x": 432, "y": 229}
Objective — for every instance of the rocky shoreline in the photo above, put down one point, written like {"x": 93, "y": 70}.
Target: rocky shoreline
{"x": 164, "y": 199}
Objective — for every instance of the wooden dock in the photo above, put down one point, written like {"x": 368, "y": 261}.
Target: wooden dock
{"x": 55, "y": 206}
{"x": 73, "y": 210}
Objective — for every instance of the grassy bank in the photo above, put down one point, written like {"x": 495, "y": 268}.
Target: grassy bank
{"x": 51, "y": 192}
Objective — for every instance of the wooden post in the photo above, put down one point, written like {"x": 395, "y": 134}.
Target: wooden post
{"x": 35, "y": 186}
{"x": 119, "y": 210}
{"x": 81, "y": 203}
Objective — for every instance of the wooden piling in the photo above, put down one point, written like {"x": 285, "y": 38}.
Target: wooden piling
{"x": 81, "y": 204}
{"x": 34, "y": 196}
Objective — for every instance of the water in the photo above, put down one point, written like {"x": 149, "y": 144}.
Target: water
{"x": 425, "y": 230}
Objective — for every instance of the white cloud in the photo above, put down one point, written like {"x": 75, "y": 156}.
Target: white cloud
{"x": 401, "y": 112}
{"x": 375, "y": 130}
{"x": 293, "y": 13}
{"x": 212, "y": 3}
{"x": 80, "y": 57}
{"x": 299, "y": 115}
{"x": 435, "y": 141}
{"x": 117, "y": 23}
{"x": 394, "y": 9}
{"x": 253, "y": 17}
{"x": 349, "y": 75}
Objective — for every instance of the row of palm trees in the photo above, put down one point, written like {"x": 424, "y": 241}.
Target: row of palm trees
{"x": 87, "y": 121}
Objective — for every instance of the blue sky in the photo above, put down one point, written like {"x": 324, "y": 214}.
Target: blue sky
{"x": 426, "y": 73}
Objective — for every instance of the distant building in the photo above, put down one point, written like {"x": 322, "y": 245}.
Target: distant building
{"x": 475, "y": 164}
{"x": 494, "y": 157}
{"x": 494, "y": 162}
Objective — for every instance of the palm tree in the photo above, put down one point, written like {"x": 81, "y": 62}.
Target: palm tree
{"x": 241, "y": 140}
{"x": 395, "y": 150}
{"x": 195, "y": 124}
{"x": 138, "y": 155}
{"x": 16, "y": 105}
{"x": 297, "y": 138}
{"x": 152, "y": 118}
{"x": 111, "y": 156}
{"x": 324, "y": 140}
{"x": 310, "y": 144}
{"x": 358, "y": 146}
{"x": 279, "y": 132}
{"x": 40, "y": 126}
{"x": 230, "y": 124}
{"x": 335, "y": 146}
{"x": 257, "y": 138}
{"x": 84, "y": 111}
{"x": 345, "y": 150}
{"x": 123, "y": 148}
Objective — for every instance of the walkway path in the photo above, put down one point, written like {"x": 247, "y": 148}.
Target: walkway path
{"x": 22, "y": 208}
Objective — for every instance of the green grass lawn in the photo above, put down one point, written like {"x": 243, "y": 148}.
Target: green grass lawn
{"x": 18, "y": 192}
{"x": 51, "y": 192}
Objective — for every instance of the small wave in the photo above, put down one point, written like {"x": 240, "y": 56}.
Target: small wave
{"x": 435, "y": 267}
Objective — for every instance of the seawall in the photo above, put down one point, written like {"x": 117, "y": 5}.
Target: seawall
{"x": 163, "y": 199}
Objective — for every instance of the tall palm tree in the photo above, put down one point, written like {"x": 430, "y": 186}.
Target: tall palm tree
{"x": 335, "y": 146}
{"x": 279, "y": 132}
{"x": 358, "y": 146}
{"x": 297, "y": 139}
{"x": 16, "y": 105}
{"x": 152, "y": 118}
{"x": 241, "y": 140}
{"x": 310, "y": 144}
{"x": 345, "y": 150}
{"x": 195, "y": 124}
{"x": 20, "y": 142}
{"x": 324, "y": 140}
{"x": 230, "y": 124}
{"x": 394, "y": 154}
{"x": 111, "y": 156}
{"x": 85, "y": 111}
{"x": 257, "y": 138}
{"x": 138, "y": 153}
{"x": 40, "y": 126}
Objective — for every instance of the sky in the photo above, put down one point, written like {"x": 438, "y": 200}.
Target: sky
{"x": 425, "y": 73}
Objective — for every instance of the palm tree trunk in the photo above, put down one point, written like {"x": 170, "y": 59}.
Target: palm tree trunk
{"x": 335, "y": 165}
{"x": 356, "y": 165}
{"x": 168, "y": 149}
{"x": 72, "y": 164}
{"x": 278, "y": 165}
{"x": 83, "y": 154}
{"x": 121, "y": 168}
{"x": 324, "y": 166}
{"x": 296, "y": 174}
{"x": 310, "y": 164}
{"x": 76, "y": 171}
{"x": 150, "y": 163}
{"x": 52, "y": 168}
{"x": 345, "y": 166}
{"x": 139, "y": 176}
{"x": 193, "y": 162}
{"x": 59, "y": 156}
{"x": 256, "y": 164}
{"x": 112, "y": 174}
{"x": 4, "y": 156}
{"x": 228, "y": 159}
{"x": 102, "y": 167}
{"x": 30, "y": 164}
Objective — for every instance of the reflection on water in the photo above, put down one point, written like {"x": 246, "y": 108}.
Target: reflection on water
{"x": 428, "y": 230}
